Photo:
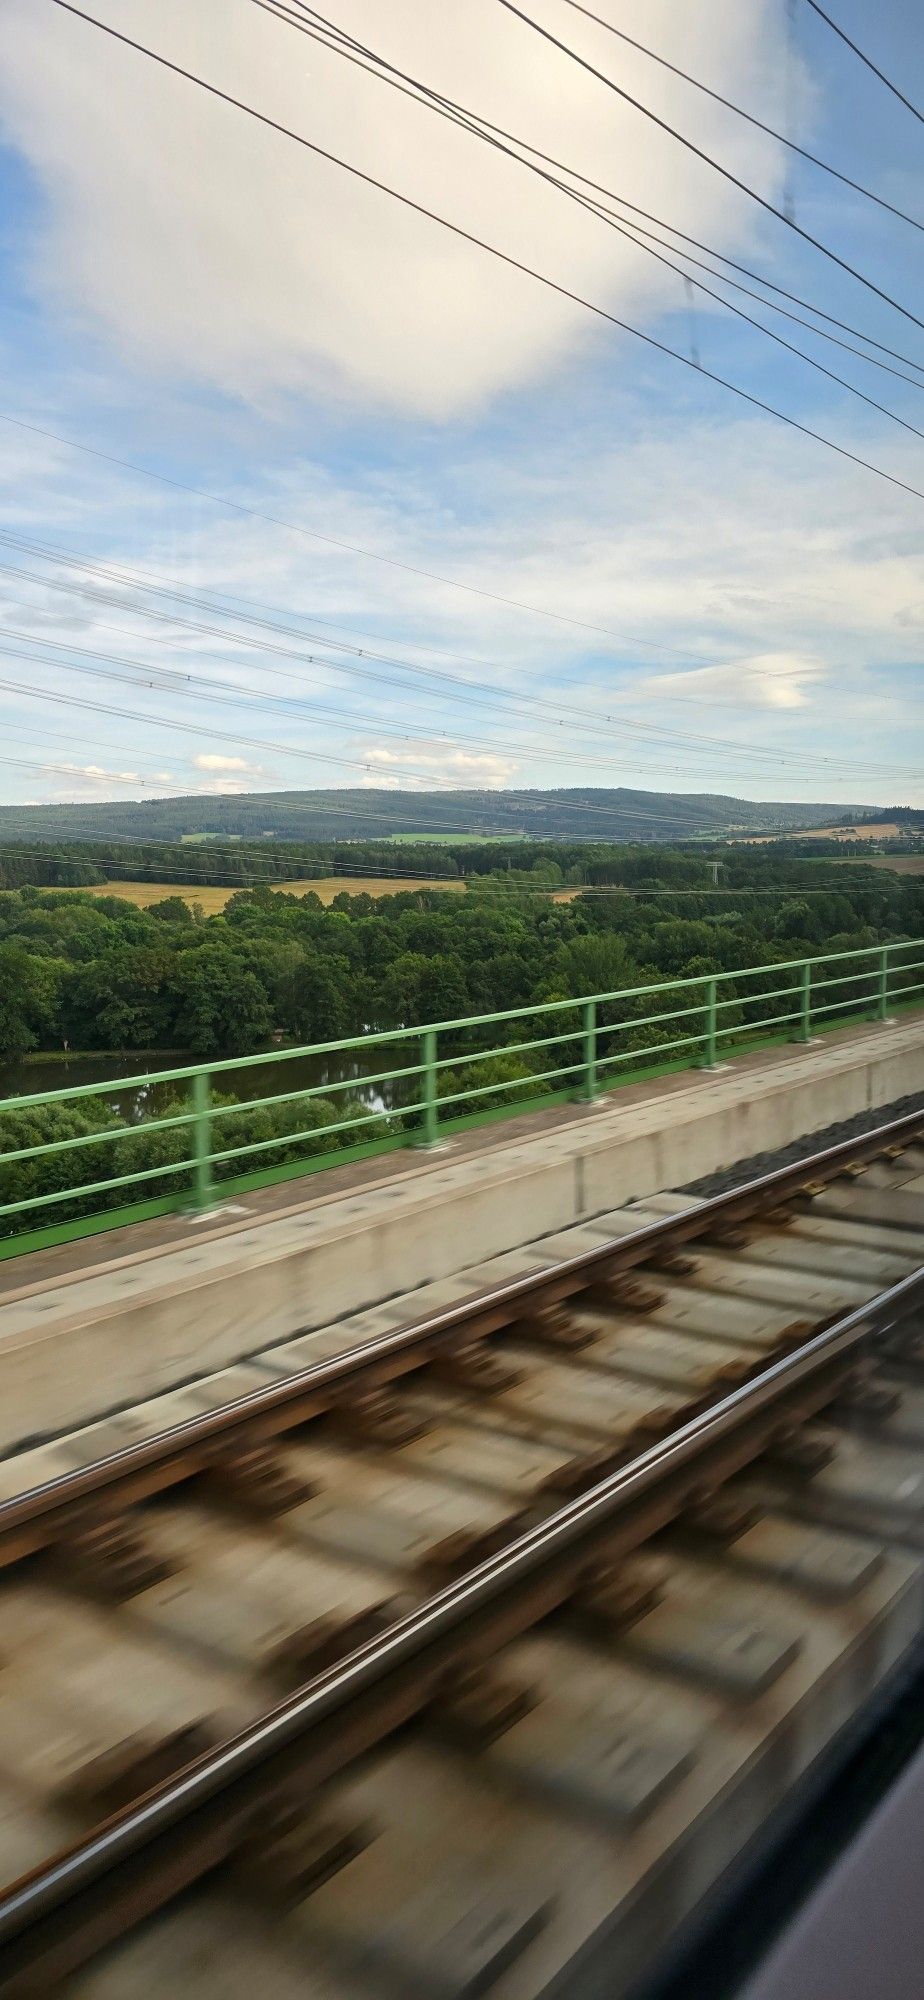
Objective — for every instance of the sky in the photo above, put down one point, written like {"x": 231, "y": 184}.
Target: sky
{"x": 297, "y": 488}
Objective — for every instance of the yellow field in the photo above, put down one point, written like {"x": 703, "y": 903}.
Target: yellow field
{"x": 361, "y": 885}
{"x": 212, "y": 900}
{"x": 883, "y": 829}
{"x": 144, "y": 893}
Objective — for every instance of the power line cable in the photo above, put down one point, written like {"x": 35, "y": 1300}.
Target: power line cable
{"x": 700, "y": 153}
{"x": 156, "y": 676}
{"x": 686, "y": 738}
{"x": 514, "y": 263}
{"x": 296, "y": 527}
{"x": 156, "y": 584}
{"x": 163, "y": 722}
{"x": 328, "y": 36}
{"x": 11, "y": 850}
{"x": 429, "y": 102}
{"x": 505, "y": 699}
{"x": 906, "y": 101}
{"x": 592, "y": 725}
{"x": 163, "y": 679}
{"x": 730, "y": 105}
{"x": 172, "y": 589}
{"x": 110, "y": 749}
{"x": 69, "y": 771}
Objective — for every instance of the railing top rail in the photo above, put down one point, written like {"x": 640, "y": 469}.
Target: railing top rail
{"x": 227, "y": 1065}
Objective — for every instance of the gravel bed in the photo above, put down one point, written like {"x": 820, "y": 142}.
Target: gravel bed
{"x": 813, "y": 1142}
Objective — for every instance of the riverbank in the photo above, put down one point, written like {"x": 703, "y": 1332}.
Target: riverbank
{"x": 42, "y": 1070}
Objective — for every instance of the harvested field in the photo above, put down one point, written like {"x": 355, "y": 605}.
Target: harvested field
{"x": 211, "y": 899}
{"x": 882, "y": 829}
{"x": 364, "y": 885}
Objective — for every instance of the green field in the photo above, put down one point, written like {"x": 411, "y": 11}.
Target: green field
{"x": 452, "y": 839}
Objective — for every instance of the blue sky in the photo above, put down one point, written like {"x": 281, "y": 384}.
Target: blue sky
{"x": 719, "y": 603}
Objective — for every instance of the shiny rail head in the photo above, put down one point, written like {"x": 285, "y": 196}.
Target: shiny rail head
{"x": 404, "y": 1645}
{"x": 617, "y": 1254}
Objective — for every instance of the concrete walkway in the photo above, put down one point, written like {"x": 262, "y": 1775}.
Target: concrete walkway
{"x": 119, "y": 1317}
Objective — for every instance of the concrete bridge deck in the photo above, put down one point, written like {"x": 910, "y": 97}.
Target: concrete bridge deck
{"x": 112, "y": 1319}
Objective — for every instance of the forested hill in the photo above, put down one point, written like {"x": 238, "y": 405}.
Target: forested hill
{"x": 586, "y": 814}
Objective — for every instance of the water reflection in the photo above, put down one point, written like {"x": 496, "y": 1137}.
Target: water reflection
{"x": 262, "y": 1079}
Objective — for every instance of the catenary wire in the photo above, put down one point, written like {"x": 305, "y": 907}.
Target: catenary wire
{"x": 429, "y": 102}
{"x": 906, "y": 101}
{"x": 373, "y": 64}
{"x": 700, "y": 153}
{"x": 468, "y": 236}
{"x": 730, "y": 105}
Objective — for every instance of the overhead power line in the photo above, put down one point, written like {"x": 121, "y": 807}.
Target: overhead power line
{"x": 432, "y": 783}
{"x": 730, "y": 105}
{"x": 314, "y": 534}
{"x": 906, "y": 101}
{"x": 138, "y": 673}
{"x": 664, "y": 735}
{"x": 514, "y": 263}
{"x": 431, "y": 101}
{"x": 10, "y": 848}
{"x": 701, "y": 154}
{"x": 447, "y": 686}
{"x": 327, "y": 35}
{"x": 70, "y": 771}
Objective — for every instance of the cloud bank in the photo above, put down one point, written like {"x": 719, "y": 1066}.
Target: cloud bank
{"x": 212, "y": 249}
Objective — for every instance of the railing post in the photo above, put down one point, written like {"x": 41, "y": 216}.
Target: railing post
{"x": 428, "y": 1097}
{"x": 203, "y": 1185}
{"x": 882, "y": 1010}
{"x": 710, "y": 1037}
{"x": 803, "y": 1030}
{"x": 588, "y": 1089}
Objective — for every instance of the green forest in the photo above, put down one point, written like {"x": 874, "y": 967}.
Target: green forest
{"x": 85, "y": 972}
{"x": 577, "y": 813}
{"x": 94, "y": 972}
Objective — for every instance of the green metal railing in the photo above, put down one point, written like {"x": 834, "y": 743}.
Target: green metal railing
{"x": 176, "y": 1158}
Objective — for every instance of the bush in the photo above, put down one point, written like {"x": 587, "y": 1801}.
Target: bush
{"x": 510, "y": 1071}
{"x": 154, "y": 1145}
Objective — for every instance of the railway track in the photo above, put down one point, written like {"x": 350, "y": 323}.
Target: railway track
{"x": 461, "y": 1647}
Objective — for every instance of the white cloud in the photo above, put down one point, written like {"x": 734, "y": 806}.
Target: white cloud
{"x": 96, "y": 771}
{"x": 209, "y": 760}
{"x": 212, "y": 248}
{"x": 423, "y": 766}
{"x": 767, "y": 680}
{"x": 220, "y": 788}
{"x": 798, "y": 604}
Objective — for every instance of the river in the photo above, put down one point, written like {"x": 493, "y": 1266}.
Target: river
{"x": 262, "y": 1079}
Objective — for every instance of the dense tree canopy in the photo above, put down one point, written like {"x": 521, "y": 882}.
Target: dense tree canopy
{"x": 96, "y": 972}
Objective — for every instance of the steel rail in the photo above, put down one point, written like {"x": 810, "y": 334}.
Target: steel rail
{"x": 279, "y": 1405}
{"x": 450, "y": 1613}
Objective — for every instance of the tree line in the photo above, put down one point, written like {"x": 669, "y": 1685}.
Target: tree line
{"x": 86, "y": 972}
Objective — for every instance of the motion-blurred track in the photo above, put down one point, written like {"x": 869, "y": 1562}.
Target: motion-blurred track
{"x": 460, "y": 1648}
